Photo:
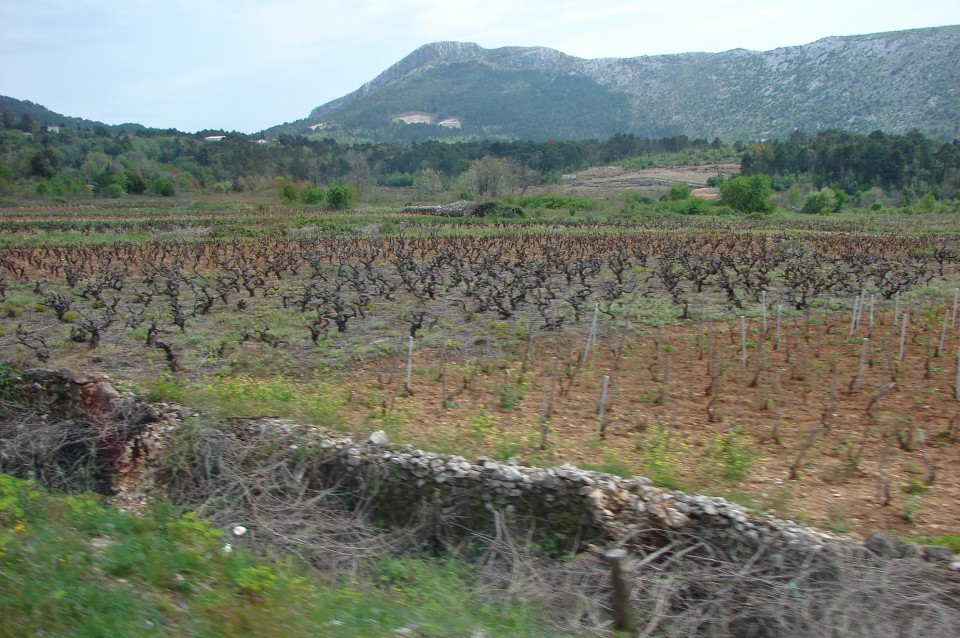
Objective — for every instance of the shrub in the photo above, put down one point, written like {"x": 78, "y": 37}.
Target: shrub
{"x": 824, "y": 201}
{"x": 162, "y": 186}
{"x": 678, "y": 192}
{"x": 747, "y": 194}
{"x": 289, "y": 194}
{"x": 661, "y": 453}
{"x": 732, "y": 454}
{"x": 339, "y": 197}
{"x": 135, "y": 182}
{"x": 553, "y": 201}
{"x": 114, "y": 191}
{"x": 689, "y": 206}
{"x": 313, "y": 195}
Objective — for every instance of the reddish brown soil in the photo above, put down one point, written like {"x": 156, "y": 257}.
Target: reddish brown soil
{"x": 861, "y": 473}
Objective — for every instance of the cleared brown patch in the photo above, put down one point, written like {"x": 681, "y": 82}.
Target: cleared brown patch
{"x": 706, "y": 193}
{"x": 609, "y": 181}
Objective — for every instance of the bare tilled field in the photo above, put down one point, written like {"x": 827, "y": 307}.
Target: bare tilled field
{"x": 811, "y": 374}
{"x": 610, "y": 181}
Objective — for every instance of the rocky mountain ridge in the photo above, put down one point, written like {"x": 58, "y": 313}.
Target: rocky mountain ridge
{"x": 895, "y": 81}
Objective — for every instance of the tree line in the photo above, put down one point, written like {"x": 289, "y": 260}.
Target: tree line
{"x": 910, "y": 163}
{"x": 77, "y": 162}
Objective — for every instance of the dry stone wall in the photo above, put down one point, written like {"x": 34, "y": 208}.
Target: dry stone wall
{"x": 576, "y": 506}
{"x": 401, "y": 485}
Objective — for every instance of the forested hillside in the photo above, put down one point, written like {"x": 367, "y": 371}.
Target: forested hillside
{"x": 79, "y": 163}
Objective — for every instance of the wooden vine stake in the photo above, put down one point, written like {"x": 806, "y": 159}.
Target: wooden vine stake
{"x": 956, "y": 299}
{"x": 592, "y": 336}
{"x": 743, "y": 341}
{"x": 602, "y": 417}
{"x": 409, "y": 363}
{"x": 903, "y": 336}
{"x": 622, "y": 614}
{"x": 943, "y": 333}
{"x": 853, "y": 316}
{"x": 779, "y": 312}
{"x": 763, "y": 305}
{"x": 956, "y": 387}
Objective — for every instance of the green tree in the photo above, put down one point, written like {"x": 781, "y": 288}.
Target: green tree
{"x": 678, "y": 192}
{"x": 289, "y": 194}
{"x": 44, "y": 164}
{"x": 114, "y": 190}
{"x": 818, "y": 203}
{"x": 428, "y": 181}
{"x": 136, "y": 185}
{"x": 339, "y": 197}
{"x": 313, "y": 195}
{"x": 747, "y": 194}
{"x": 826, "y": 200}
{"x": 162, "y": 186}
{"x": 839, "y": 200}
{"x": 27, "y": 123}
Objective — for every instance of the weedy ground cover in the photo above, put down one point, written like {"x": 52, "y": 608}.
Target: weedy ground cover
{"x": 70, "y": 566}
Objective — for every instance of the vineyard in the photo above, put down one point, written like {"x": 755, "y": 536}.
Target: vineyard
{"x": 806, "y": 365}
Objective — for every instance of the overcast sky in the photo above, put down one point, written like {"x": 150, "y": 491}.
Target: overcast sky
{"x": 246, "y": 65}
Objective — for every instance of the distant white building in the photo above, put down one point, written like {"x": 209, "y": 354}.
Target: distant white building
{"x": 214, "y": 138}
{"x": 413, "y": 117}
{"x": 450, "y": 122}
{"x": 53, "y": 129}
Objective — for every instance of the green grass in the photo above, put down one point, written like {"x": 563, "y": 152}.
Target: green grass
{"x": 70, "y": 566}
{"x": 611, "y": 464}
{"x": 246, "y": 396}
{"x": 732, "y": 455}
{"x": 950, "y": 541}
{"x": 662, "y": 456}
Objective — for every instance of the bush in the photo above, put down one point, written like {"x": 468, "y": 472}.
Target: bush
{"x": 162, "y": 186}
{"x": 136, "y": 185}
{"x": 732, "y": 454}
{"x": 339, "y": 197}
{"x": 747, "y": 194}
{"x": 661, "y": 456}
{"x": 495, "y": 209}
{"x": 678, "y": 192}
{"x": 398, "y": 180}
{"x": 690, "y": 206}
{"x": 824, "y": 201}
{"x": 114, "y": 191}
{"x": 289, "y": 194}
{"x": 313, "y": 195}
{"x": 553, "y": 201}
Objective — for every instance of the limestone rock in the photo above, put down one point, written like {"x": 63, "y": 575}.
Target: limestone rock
{"x": 378, "y": 438}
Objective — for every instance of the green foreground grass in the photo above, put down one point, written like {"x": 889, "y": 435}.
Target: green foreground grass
{"x": 71, "y": 566}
